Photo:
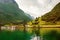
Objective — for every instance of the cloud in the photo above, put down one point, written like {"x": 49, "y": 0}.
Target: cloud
{"x": 37, "y": 8}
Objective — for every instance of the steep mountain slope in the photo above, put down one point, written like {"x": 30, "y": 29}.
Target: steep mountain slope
{"x": 10, "y": 12}
{"x": 53, "y": 15}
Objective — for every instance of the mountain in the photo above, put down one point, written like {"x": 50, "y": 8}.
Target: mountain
{"x": 7, "y": 1}
{"x": 10, "y": 12}
{"x": 53, "y": 15}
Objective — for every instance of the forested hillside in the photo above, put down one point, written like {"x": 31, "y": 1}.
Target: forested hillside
{"x": 53, "y": 15}
{"x": 10, "y": 12}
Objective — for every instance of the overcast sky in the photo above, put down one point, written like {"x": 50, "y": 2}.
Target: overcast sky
{"x": 37, "y": 8}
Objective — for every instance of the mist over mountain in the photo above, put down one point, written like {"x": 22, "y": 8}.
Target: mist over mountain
{"x": 37, "y": 8}
{"x": 10, "y": 12}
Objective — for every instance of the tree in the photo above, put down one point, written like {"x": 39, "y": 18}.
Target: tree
{"x": 36, "y": 27}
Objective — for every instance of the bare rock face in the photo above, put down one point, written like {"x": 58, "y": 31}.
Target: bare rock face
{"x": 7, "y": 1}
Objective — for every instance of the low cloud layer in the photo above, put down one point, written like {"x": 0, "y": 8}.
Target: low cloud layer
{"x": 37, "y": 8}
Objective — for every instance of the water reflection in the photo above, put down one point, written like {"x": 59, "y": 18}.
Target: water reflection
{"x": 34, "y": 37}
